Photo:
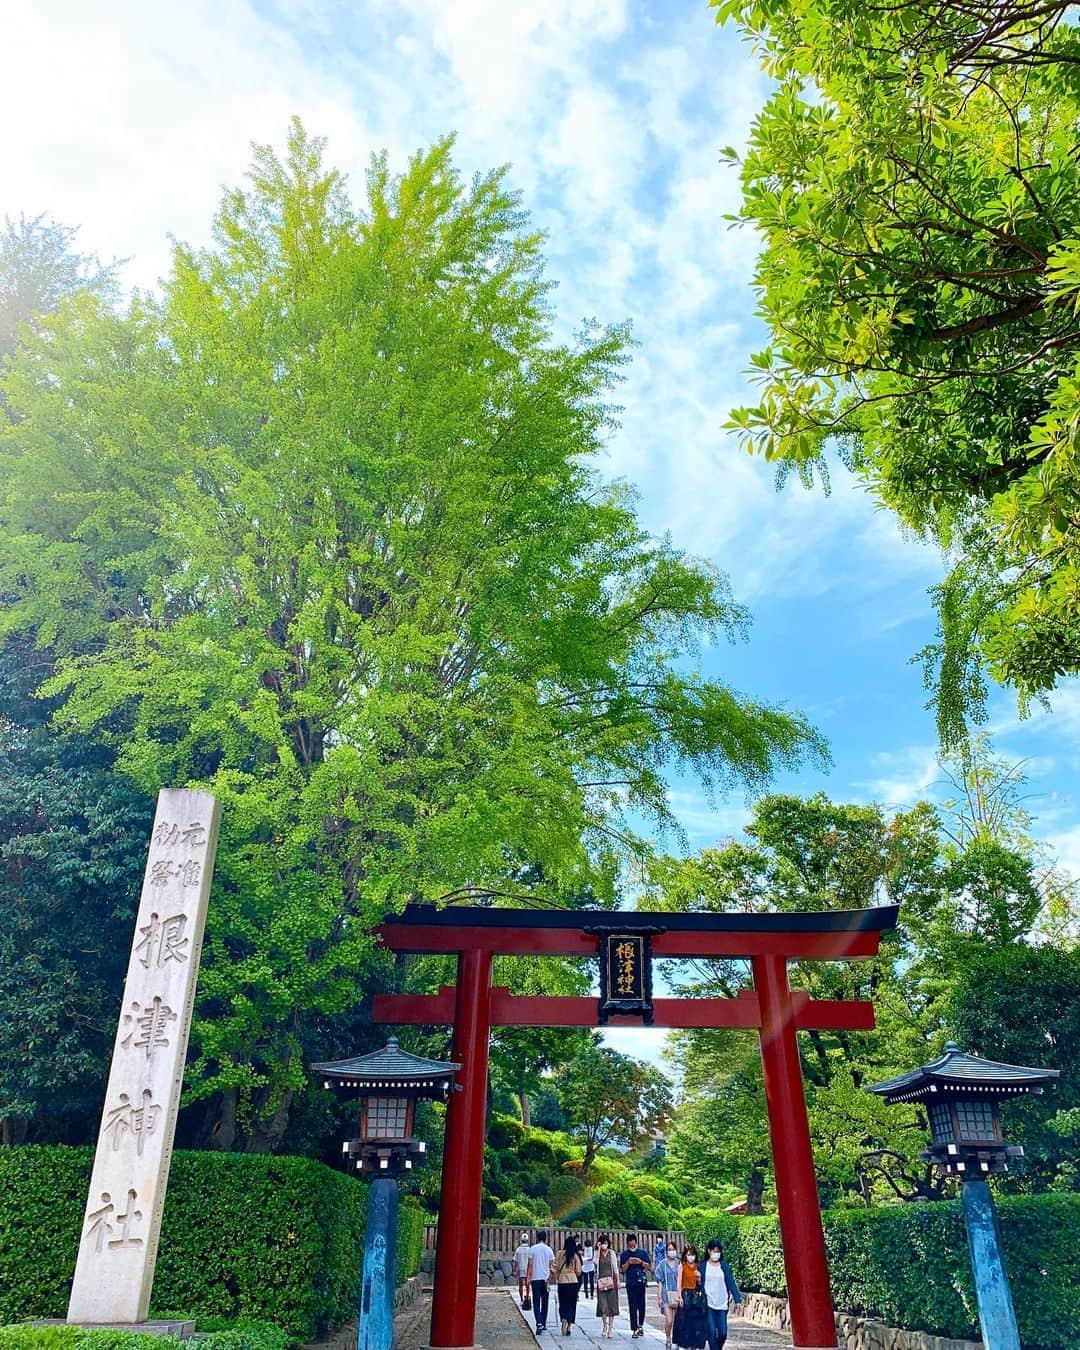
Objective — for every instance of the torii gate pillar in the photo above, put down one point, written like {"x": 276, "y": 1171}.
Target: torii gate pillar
{"x": 453, "y": 1318}
{"x": 801, "y": 1230}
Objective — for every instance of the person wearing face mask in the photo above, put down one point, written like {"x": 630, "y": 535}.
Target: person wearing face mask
{"x": 635, "y": 1265}
{"x": 607, "y": 1285}
{"x": 667, "y": 1288}
{"x": 690, "y": 1330}
{"x": 720, "y": 1290}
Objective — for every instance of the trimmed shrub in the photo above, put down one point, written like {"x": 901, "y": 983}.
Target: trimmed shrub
{"x": 601, "y": 1173}
{"x": 650, "y": 1213}
{"x": 518, "y": 1212}
{"x": 616, "y": 1205}
{"x": 533, "y": 1149}
{"x": 410, "y": 1239}
{"x": 505, "y": 1132}
{"x": 533, "y": 1181}
{"x": 909, "y": 1266}
{"x": 277, "y": 1239}
{"x": 568, "y": 1199}
{"x": 242, "y": 1336}
{"x": 559, "y": 1148}
{"x": 668, "y": 1195}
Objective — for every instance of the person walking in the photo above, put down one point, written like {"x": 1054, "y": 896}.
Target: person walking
{"x": 607, "y": 1286}
{"x": 720, "y": 1290}
{"x": 588, "y": 1266}
{"x": 567, "y": 1272}
{"x": 690, "y": 1330}
{"x": 658, "y": 1253}
{"x": 521, "y": 1269}
{"x": 635, "y": 1266}
{"x": 667, "y": 1289}
{"x": 538, "y": 1274}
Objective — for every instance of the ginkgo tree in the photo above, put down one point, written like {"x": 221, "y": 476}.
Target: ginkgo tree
{"x": 321, "y": 527}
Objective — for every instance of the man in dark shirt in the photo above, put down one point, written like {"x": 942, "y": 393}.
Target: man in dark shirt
{"x": 635, "y": 1266}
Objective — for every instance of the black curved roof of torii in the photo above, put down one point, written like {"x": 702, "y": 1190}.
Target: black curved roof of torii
{"x": 880, "y": 918}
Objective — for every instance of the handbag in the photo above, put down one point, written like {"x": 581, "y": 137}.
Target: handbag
{"x": 605, "y": 1282}
{"x": 694, "y": 1298}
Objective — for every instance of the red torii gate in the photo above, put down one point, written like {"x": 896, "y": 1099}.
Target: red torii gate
{"x": 777, "y": 1012}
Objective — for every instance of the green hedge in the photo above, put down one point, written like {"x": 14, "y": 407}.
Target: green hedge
{"x": 244, "y": 1236}
{"x": 410, "y": 1239}
{"x": 909, "y": 1265}
{"x": 243, "y": 1336}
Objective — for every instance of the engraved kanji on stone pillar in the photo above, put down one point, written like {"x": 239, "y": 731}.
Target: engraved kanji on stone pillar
{"x": 114, "y": 1272}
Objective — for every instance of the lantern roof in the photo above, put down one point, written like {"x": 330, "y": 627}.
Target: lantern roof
{"x": 958, "y": 1073}
{"x": 390, "y": 1067}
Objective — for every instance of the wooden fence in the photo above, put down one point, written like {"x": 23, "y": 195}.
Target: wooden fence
{"x": 502, "y": 1239}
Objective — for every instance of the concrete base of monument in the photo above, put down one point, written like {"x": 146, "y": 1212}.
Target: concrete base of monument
{"x": 183, "y": 1331}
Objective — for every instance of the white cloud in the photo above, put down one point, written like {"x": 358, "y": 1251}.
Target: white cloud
{"x": 1065, "y": 848}
{"x": 129, "y": 118}
{"x": 707, "y": 824}
{"x": 1060, "y": 721}
{"x": 903, "y": 776}
{"x": 647, "y": 1043}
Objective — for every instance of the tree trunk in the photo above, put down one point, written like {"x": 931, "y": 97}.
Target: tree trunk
{"x": 266, "y": 1131}
{"x": 14, "y": 1129}
{"x": 755, "y": 1190}
{"x": 526, "y": 1110}
{"x": 223, "y": 1130}
{"x": 822, "y": 1057}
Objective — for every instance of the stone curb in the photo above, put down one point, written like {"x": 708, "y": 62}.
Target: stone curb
{"x": 853, "y": 1333}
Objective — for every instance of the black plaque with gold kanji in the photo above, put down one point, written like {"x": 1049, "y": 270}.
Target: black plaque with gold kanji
{"x": 626, "y": 976}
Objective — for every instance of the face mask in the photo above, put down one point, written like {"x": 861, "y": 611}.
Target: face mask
{"x": 691, "y": 1257}
{"x": 714, "y": 1256}
{"x": 671, "y": 1254}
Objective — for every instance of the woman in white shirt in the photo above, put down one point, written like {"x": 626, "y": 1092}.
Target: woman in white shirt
{"x": 720, "y": 1289}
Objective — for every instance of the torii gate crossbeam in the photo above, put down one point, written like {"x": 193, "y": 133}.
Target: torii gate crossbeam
{"x": 776, "y": 1011}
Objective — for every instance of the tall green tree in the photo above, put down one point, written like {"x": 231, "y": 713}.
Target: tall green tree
{"x": 321, "y": 529}
{"x": 1021, "y": 1004}
{"x": 977, "y": 900}
{"x": 72, "y": 831}
{"x": 72, "y": 847}
{"x": 610, "y": 1099}
{"x": 915, "y": 182}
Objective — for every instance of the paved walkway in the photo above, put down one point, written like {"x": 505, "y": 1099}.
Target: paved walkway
{"x": 501, "y": 1325}
{"x": 586, "y": 1331}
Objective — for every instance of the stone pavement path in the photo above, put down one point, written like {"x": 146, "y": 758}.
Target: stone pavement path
{"x": 501, "y": 1325}
{"x": 585, "y": 1334}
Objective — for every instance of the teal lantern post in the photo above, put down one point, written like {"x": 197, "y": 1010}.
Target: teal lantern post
{"x": 388, "y": 1084}
{"x": 962, "y": 1094}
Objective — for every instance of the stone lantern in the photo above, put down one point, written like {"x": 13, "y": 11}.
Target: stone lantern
{"x": 962, "y": 1094}
{"x": 387, "y": 1083}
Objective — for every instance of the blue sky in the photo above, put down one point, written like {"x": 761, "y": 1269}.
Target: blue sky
{"x": 127, "y": 119}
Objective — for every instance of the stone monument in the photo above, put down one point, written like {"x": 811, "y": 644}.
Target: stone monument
{"x": 114, "y": 1272}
